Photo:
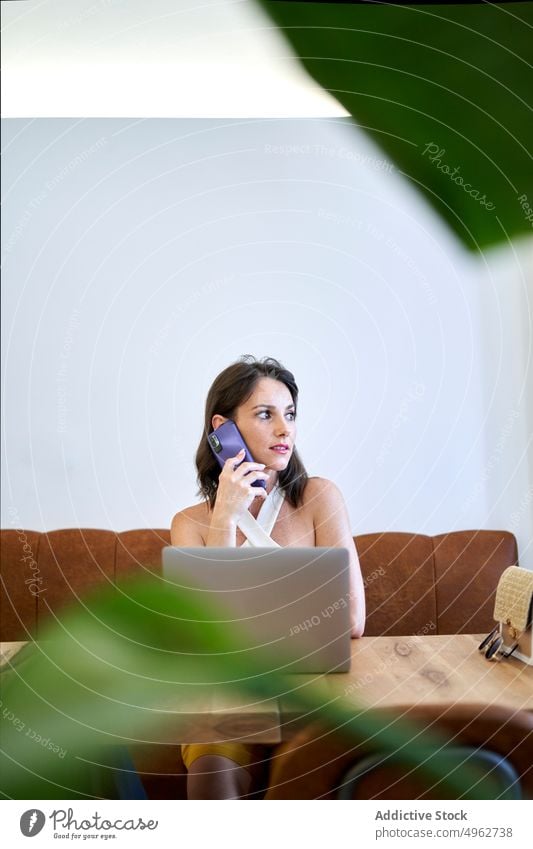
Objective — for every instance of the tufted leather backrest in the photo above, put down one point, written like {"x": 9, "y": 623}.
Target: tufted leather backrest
{"x": 41, "y": 572}
{"x": 446, "y": 584}
{"x": 414, "y": 584}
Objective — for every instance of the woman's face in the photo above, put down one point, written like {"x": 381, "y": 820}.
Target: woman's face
{"x": 267, "y": 423}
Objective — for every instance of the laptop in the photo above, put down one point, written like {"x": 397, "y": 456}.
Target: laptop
{"x": 289, "y": 607}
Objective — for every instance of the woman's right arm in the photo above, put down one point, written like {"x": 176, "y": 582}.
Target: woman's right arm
{"x": 185, "y": 532}
{"x": 234, "y": 496}
{"x": 222, "y": 532}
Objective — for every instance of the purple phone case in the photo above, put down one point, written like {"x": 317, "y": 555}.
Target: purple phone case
{"x": 226, "y": 441}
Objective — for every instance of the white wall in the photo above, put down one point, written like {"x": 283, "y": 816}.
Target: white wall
{"x": 192, "y": 58}
{"x": 506, "y": 314}
{"x": 143, "y": 256}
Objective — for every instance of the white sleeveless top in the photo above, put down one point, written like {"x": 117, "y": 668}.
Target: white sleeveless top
{"x": 257, "y": 531}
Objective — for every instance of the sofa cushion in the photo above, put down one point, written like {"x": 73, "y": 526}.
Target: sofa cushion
{"x": 399, "y": 576}
{"x": 413, "y": 583}
{"x": 73, "y": 562}
{"x": 22, "y": 581}
{"x": 138, "y": 551}
{"x": 468, "y": 565}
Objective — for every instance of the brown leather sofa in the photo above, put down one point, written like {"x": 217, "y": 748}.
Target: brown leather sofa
{"x": 414, "y": 584}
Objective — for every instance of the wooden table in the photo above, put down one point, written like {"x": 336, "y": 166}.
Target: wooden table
{"x": 387, "y": 672}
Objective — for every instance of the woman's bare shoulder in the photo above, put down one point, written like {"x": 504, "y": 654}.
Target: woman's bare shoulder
{"x": 194, "y": 519}
{"x": 318, "y": 487}
{"x": 321, "y": 493}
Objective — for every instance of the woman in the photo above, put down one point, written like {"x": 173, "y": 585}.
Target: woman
{"x": 261, "y": 398}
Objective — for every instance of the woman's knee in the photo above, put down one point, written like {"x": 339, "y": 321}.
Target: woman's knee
{"x": 217, "y": 777}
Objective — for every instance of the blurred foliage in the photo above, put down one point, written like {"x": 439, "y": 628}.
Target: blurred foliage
{"x": 457, "y": 77}
{"x": 122, "y": 666}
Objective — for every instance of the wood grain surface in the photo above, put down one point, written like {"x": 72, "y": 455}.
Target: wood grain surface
{"x": 387, "y": 672}
{"x": 399, "y": 672}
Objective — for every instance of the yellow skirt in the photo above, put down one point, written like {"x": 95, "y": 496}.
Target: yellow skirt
{"x": 242, "y": 754}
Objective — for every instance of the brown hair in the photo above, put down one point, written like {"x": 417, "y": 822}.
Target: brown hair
{"x": 229, "y": 390}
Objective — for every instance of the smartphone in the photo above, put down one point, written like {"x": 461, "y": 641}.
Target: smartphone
{"x": 226, "y": 441}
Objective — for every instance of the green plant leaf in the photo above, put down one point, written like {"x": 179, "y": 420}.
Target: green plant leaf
{"x": 445, "y": 90}
{"x": 97, "y": 679}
